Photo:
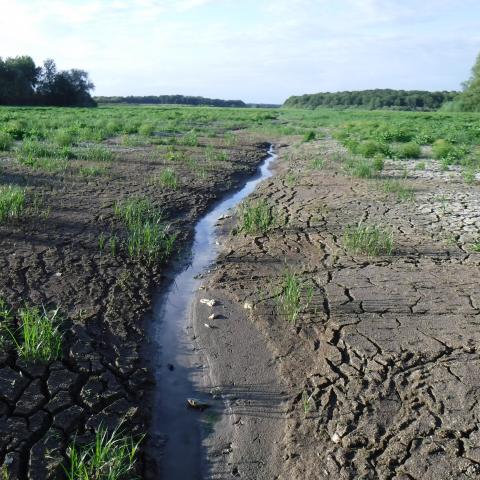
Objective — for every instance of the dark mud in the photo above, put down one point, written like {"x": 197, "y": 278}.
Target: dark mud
{"x": 51, "y": 257}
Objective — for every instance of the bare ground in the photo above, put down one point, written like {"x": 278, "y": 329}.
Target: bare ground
{"x": 379, "y": 377}
{"x": 51, "y": 257}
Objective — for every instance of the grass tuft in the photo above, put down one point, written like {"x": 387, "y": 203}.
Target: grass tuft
{"x": 294, "y": 297}
{"x": 368, "y": 240}
{"x": 12, "y": 202}
{"x": 256, "y": 217}
{"x": 112, "y": 456}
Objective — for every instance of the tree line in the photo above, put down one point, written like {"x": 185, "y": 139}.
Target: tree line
{"x": 173, "y": 100}
{"x": 374, "y": 99}
{"x": 24, "y": 83}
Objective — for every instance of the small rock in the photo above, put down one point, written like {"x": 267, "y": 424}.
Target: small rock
{"x": 58, "y": 274}
{"x": 197, "y": 404}
{"x": 248, "y": 306}
{"x": 213, "y": 316}
{"x": 336, "y": 438}
{"x": 209, "y": 302}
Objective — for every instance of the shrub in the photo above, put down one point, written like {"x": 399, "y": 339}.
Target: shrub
{"x": 309, "y": 136}
{"x": 370, "y": 148}
{"x": 146, "y": 129}
{"x": 378, "y": 163}
{"x": 408, "y": 150}
{"x": 64, "y": 138}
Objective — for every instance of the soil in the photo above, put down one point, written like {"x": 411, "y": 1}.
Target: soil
{"x": 51, "y": 257}
{"x": 379, "y": 376}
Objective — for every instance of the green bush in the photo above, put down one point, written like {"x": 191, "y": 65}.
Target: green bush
{"x": 408, "y": 150}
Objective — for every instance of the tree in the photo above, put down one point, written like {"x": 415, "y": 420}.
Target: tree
{"x": 470, "y": 97}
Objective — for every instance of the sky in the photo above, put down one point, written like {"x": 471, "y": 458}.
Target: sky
{"x": 254, "y": 50}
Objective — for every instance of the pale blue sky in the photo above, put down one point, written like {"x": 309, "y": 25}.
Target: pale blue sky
{"x": 254, "y": 50}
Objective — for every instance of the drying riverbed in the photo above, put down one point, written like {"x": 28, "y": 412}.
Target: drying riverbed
{"x": 381, "y": 363}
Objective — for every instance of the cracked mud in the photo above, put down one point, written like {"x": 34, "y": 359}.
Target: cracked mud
{"x": 387, "y": 350}
{"x": 102, "y": 377}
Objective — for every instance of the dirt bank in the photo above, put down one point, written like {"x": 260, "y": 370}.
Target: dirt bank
{"x": 52, "y": 257}
{"x": 381, "y": 367}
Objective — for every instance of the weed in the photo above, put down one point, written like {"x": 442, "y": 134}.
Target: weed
{"x": 112, "y": 243}
{"x": 256, "y": 217}
{"x": 468, "y": 175}
{"x": 12, "y": 202}
{"x": 112, "y": 456}
{"x": 368, "y": 240}
{"x": 378, "y": 162}
{"x": 92, "y": 171}
{"x": 64, "y": 138}
{"x": 190, "y": 139}
{"x": 307, "y": 401}
{"x": 293, "y": 297}
{"x": 101, "y": 242}
{"x": 408, "y": 150}
{"x": 95, "y": 154}
{"x": 146, "y": 129}
{"x": 420, "y": 166}
{"x": 309, "y": 136}
{"x": 147, "y": 237}
{"x": 39, "y": 334}
{"x": 476, "y": 246}
{"x": 6, "y": 141}
{"x": 317, "y": 163}
{"x": 400, "y": 188}
{"x": 291, "y": 179}
{"x": 167, "y": 178}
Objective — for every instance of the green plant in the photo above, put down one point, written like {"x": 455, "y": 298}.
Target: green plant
{"x": 368, "y": 240}
{"x": 400, "y": 188}
{"x": 317, "y": 163}
{"x": 378, "y": 162}
{"x": 146, "y": 129}
{"x": 6, "y": 141}
{"x": 64, "y": 137}
{"x": 468, "y": 175}
{"x": 476, "y": 246}
{"x": 147, "y": 237}
{"x": 112, "y": 456}
{"x": 307, "y": 401}
{"x": 39, "y": 337}
{"x": 95, "y": 153}
{"x": 408, "y": 150}
{"x": 112, "y": 243}
{"x": 12, "y": 202}
{"x": 309, "y": 136}
{"x": 190, "y": 139}
{"x": 362, "y": 169}
{"x": 92, "y": 171}
{"x": 167, "y": 178}
{"x": 420, "y": 166}
{"x": 256, "y": 217}
{"x": 293, "y": 297}
{"x": 101, "y": 241}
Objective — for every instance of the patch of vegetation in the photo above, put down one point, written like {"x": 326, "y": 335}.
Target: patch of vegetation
{"x": 400, "y": 188}
{"x": 12, "y": 202}
{"x": 371, "y": 240}
{"x": 256, "y": 217}
{"x": 294, "y": 296}
{"x": 309, "y": 136}
{"x": 6, "y": 141}
{"x": 147, "y": 237}
{"x": 112, "y": 456}
{"x": 168, "y": 179}
{"x": 408, "y": 150}
{"x": 38, "y": 338}
{"x": 95, "y": 154}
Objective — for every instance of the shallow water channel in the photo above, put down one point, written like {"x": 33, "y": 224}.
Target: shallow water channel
{"x": 179, "y": 427}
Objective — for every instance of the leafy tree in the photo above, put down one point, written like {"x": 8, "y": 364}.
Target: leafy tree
{"x": 470, "y": 98}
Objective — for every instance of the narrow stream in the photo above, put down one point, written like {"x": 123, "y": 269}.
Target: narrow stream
{"x": 178, "y": 426}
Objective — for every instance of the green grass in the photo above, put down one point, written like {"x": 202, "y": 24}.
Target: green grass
{"x": 86, "y": 171}
{"x": 410, "y": 150}
{"x": 256, "y": 217}
{"x": 168, "y": 179}
{"x": 95, "y": 154}
{"x": 6, "y": 141}
{"x": 294, "y": 297}
{"x": 38, "y": 338}
{"x": 309, "y": 136}
{"x": 420, "y": 166}
{"x": 317, "y": 163}
{"x": 400, "y": 188}
{"x": 370, "y": 240}
{"x": 147, "y": 236}
{"x": 112, "y": 456}
{"x": 12, "y": 202}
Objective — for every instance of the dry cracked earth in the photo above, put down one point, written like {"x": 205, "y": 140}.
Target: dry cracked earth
{"x": 51, "y": 257}
{"x": 382, "y": 365}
